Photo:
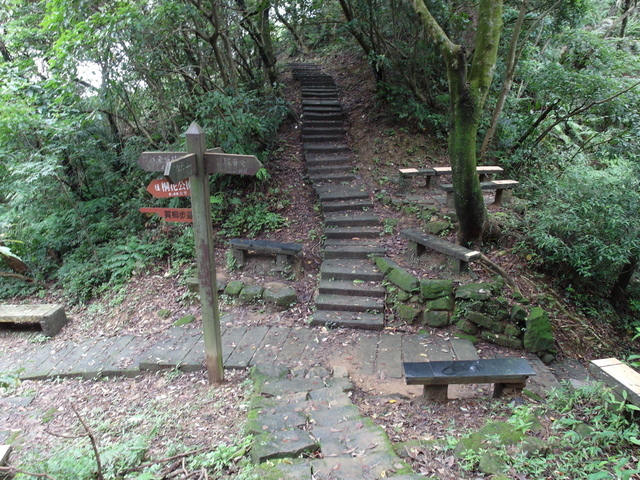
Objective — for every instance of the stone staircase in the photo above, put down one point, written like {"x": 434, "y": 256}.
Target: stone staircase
{"x": 349, "y": 291}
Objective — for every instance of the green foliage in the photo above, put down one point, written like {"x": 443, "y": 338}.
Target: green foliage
{"x": 586, "y": 433}
{"x": 585, "y": 222}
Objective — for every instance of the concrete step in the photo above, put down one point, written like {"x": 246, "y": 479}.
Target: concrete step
{"x": 349, "y": 303}
{"x": 320, "y": 103}
{"x": 320, "y": 109}
{"x": 323, "y": 124}
{"x": 329, "y": 169}
{"x": 362, "y": 320}
{"x": 347, "y": 206}
{"x": 353, "y": 288}
{"x": 328, "y": 147}
{"x": 352, "y": 233}
{"x": 323, "y": 131}
{"x": 329, "y": 193}
{"x": 326, "y": 159}
{"x": 325, "y": 116}
{"x": 360, "y": 250}
{"x": 351, "y": 220}
{"x": 334, "y": 178}
{"x": 350, "y": 269}
{"x": 322, "y": 137}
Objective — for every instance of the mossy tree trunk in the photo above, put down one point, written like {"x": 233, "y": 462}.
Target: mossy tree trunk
{"x": 468, "y": 88}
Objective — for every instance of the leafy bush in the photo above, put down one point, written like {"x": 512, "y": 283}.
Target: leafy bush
{"x": 585, "y": 222}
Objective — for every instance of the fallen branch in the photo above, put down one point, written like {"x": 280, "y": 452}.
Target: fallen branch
{"x": 18, "y": 276}
{"x": 93, "y": 441}
{"x": 500, "y": 271}
{"x": 14, "y": 470}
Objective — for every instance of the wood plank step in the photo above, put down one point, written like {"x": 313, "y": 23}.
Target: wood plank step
{"x": 352, "y": 232}
{"x": 353, "y": 288}
{"x": 362, "y": 320}
{"x": 350, "y": 269}
{"x": 352, "y": 219}
{"x": 363, "y": 251}
{"x": 349, "y": 303}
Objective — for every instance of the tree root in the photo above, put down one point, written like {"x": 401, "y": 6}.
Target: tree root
{"x": 500, "y": 271}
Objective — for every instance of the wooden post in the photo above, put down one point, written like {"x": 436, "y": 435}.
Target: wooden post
{"x": 205, "y": 256}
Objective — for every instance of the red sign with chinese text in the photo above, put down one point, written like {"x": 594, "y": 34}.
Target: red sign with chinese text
{"x": 162, "y": 188}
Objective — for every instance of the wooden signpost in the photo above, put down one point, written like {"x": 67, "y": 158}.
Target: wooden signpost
{"x": 195, "y": 164}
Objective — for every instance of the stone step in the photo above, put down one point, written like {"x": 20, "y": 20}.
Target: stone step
{"x": 328, "y": 147}
{"x": 352, "y": 233}
{"x": 327, "y": 159}
{"x": 350, "y": 269}
{"x": 352, "y": 220}
{"x": 320, "y": 103}
{"x": 328, "y": 109}
{"x": 329, "y": 193}
{"x": 348, "y": 303}
{"x": 322, "y": 137}
{"x": 359, "y": 250}
{"x": 325, "y": 116}
{"x": 362, "y": 320}
{"x": 323, "y": 131}
{"x": 320, "y": 178}
{"x": 323, "y": 124}
{"x": 353, "y": 288}
{"x": 347, "y": 206}
{"x": 329, "y": 169}
{"x": 318, "y": 95}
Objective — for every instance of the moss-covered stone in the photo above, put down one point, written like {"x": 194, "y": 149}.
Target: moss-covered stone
{"x": 251, "y": 293}
{"x": 474, "y": 291}
{"x": 512, "y": 331}
{"x": 444, "y": 303}
{"x": 466, "y": 326}
{"x": 234, "y": 287}
{"x": 432, "y": 289}
{"x": 279, "y": 294}
{"x": 436, "y": 318}
{"x": 436, "y": 227}
{"x": 403, "y": 280}
{"x": 491, "y": 464}
{"x": 485, "y": 321}
{"x": 502, "y": 340}
{"x": 501, "y": 432}
{"x": 187, "y": 319}
{"x": 385, "y": 265}
{"x": 538, "y": 336}
{"x": 407, "y": 312}
{"x": 470, "y": 338}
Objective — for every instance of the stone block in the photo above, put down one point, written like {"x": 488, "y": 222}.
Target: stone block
{"x": 502, "y": 340}
{"x": 385, "y": 265}
{"x": 435, "y": 318}
{"x": 443, "y": 303}
{"x": 474, "y": 291}
{"x": 234, "y": 287}
{"x": 485, "y": 321}
{"x": 512, "y": 331}
{"x": 251, "y": 293}
{"x": 465, "y": 326}
{"x": 279, "y": 294}
{"x": 538, "y": 336}
{"x": 407, "y": 313}
{"x": 432, "y": 289}
{"x": 403, "y": 280}
{"x": 50, "y": 317}
{"x": 436, "y": 227}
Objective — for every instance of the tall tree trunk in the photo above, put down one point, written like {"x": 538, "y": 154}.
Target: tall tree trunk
{"x": 468, "y": 92}
{"x": 619, "y": 291}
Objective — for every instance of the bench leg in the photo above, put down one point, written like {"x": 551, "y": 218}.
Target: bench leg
{"x": 498, "y": 199}
{"x": 463, "y": 266}
{"x": 238, "y": 256}
{"x": 415, "y": 249}
{"x": 436, "y": 393}
{"x": 282, "y": 262}
{"x": 427, "y": 182}
{"x": 500, "y": 388}
{"x": 450, "y": 200}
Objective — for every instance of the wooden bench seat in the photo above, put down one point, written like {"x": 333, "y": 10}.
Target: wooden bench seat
{"x": 419, "y": 242}
{"x": 50, "y": 317}
{"x": 484, "y": 172}
{"x": 505, "y": 373}
{"x": 498, "y": 186}
{"x": 282, "y": 251}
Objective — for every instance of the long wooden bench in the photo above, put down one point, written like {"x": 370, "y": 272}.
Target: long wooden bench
{"x": 498, "y": 186}
{"x": 623, "y": 380}
{"x": 282, "y": 251}
{"x": 505, "y": 373}
{"x": 419, "y": 242}
{"x": 484, "y": 172}
{"x": 51, "y": 318}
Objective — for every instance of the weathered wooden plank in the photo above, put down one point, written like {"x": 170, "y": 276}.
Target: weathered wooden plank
{"x": 67, "y": 367}
{"x": 268, "y": 352}
{"x": 124, "y": 361}
{"x": 295, "y": 345}
{"x": 230, "y": 340}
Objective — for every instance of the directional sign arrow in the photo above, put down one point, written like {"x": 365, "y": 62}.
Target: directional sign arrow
{"x": 161, "y": 188}
{"x": 230, "y": 164}
{"x": 171, "y": 214}
{"x": 181, "y": 168}
{"x": 155, "y": 161}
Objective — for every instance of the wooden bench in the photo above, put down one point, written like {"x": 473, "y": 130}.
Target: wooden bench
{"x": 498, "y": 186}
{"x": 505, "y": 373}
{"x": 484, "y": 173}
{"x": 619, "y": 376}
{"x": 51, "y": 318}
{"x": 419, "y": 242}
{"x": 282, "y": 251}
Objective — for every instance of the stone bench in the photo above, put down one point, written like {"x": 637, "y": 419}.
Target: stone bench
{"x": 619, "y": 376}
{"x": 282, "y": 251}
{"x": 51, "y": 318}
{"x": 419, "y": 242}
{"x": 505, "y": 373}
{"x": 498, "y": 186}
{"x": 484, "y": 172}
